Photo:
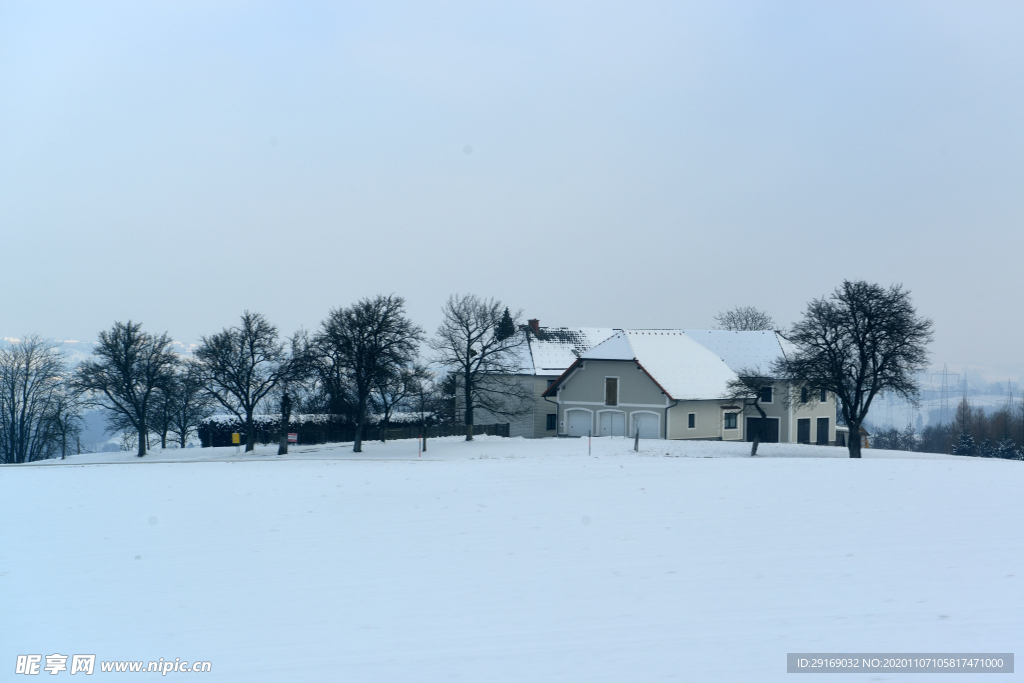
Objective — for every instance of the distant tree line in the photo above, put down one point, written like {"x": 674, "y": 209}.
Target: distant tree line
{"x": 973, "y": 432}
{"x": 353, "y": 373}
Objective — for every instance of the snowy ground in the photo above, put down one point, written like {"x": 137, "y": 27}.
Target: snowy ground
{"x": 510, "y": 560}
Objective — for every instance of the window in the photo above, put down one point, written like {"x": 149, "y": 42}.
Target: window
{"x": 691, "y": 421}
{"x": 611, "y": 391}
{"x": 824, "y": 396}
{"x": 803, "y": 394}
{"x": 730, "y": 420}
{"x": 766, "y": 394}
{"x": 550, "y": 382}
{"x": 551, "y": 420}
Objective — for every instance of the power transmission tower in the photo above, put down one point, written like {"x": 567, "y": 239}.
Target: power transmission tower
{"x": 944, "y": 396}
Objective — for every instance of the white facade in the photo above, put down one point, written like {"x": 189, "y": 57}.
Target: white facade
{"x": 670, "y": 384}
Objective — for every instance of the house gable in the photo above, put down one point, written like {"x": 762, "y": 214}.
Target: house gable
{"x": 586, "y": 386}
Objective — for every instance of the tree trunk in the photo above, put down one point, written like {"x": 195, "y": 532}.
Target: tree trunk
{"x": 282, "y": 441}
{"x": 143, "y": 433}
{"x": 762, "y": 426}
{"x": 282, "y": 444}
{"x": 358, "y": 446}
{"x": 286, "y": 415}
{"x": 182, "y": 439}
{"x": 853, "y": 440}
{"x": 163, "y": 440}
{"x": 250, "y": 435}
{"x": 469, "y": 410}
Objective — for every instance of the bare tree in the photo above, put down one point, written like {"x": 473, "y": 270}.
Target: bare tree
{"x": 162, "y": 414}
{"x": 744, "y": 318}
{"x": 128, "y": 367}
{"x": 471, "y": 344}
{"x": 191, "y": 403}
{"x": 367, "y": 342}
{"x": 242, "y": 365}
{"x": 65, "y": 417}
{"x": 749, "y": 387}
{"x": 32, "y": 396}
{"x": 425, "y": 400}
{"x": 862, "y": 340}
{"x": 393, "y": 389}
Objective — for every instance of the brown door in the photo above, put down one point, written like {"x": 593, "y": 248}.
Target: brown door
{"x": 803, "y": 430}
{"x": 822, "y": 435}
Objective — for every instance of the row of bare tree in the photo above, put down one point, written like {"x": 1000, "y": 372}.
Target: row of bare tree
{"x": 362, "y": 360}
{"x": 861, "y": 341}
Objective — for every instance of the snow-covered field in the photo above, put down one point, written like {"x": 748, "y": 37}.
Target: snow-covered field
{"x": 510, "y": 560}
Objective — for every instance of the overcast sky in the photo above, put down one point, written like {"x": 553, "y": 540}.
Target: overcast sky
{"x": 622, "y": 165}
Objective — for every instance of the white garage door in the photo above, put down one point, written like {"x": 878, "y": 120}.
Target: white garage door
{"x": 647, "y": 424}
{"x": 613, "y": 424}
{"x": 579, "y": 422}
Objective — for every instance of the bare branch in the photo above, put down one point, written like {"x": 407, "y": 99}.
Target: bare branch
{"x": 744, "y": 318}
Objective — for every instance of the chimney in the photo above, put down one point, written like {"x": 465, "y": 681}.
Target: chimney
{"x": 534, "y": 325}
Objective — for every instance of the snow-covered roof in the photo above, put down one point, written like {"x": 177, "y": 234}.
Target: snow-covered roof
{"x": 682, "y": 367}
{"x": 616, "y": 347}
{"x": 742, "y": 350}
{"x": 556, "y": 348}
{"x": 692, "y": 364}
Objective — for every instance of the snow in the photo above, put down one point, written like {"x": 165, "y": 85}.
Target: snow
{"x": 557, "y": 349}
{"x": 684, "y": 368}
{"x": 510, "y": 559}
{"x": 741, "y": 349}
{"x": 616, "y": 347}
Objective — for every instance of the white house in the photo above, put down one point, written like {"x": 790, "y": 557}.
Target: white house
{"x": 671, "y": 384}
